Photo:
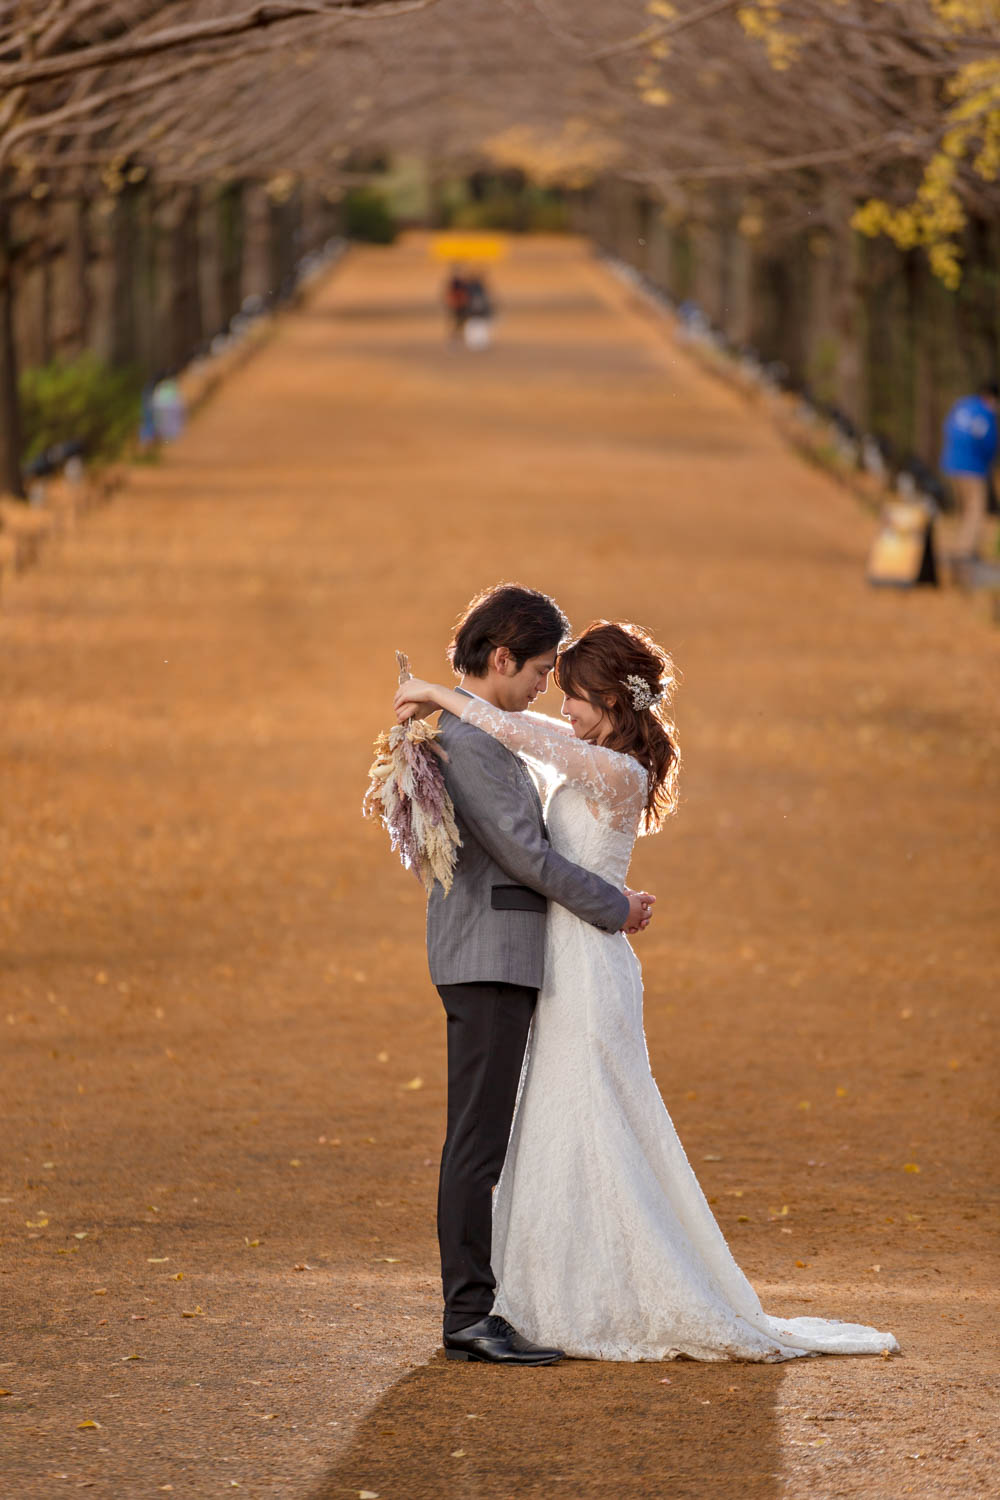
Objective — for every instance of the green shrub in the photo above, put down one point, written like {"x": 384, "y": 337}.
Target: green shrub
{"x": 79, "y": 399}
{"x": 367, "y": 216}
{"x": 529, "y": 210}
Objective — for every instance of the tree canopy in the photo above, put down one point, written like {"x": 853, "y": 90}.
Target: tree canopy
{"x": 895, "y": 101}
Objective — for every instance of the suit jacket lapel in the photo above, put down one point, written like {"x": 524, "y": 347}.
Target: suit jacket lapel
{"x": 526, "y": 774}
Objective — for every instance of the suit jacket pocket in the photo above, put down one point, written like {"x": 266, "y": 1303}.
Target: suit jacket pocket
{"x": 517, "y": 898}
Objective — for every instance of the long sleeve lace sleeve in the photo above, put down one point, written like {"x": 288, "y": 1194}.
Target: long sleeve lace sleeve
{"x": 609, "y": 779}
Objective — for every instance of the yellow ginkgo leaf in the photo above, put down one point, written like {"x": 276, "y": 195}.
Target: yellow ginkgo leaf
{"x": 195, "y": 1312}
{"x": 910, "y": 1166}
{"x": 88, "y": 1423}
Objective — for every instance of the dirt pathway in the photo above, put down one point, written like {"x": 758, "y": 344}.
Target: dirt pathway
{"x": 219, "y": 1168}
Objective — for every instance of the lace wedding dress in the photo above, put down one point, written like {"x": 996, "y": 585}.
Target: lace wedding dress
{"x": 603, "y": 1242}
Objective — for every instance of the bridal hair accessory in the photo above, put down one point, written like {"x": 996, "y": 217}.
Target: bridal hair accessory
{"x": 406, "y": 792}
{"x": 642, "y": 694}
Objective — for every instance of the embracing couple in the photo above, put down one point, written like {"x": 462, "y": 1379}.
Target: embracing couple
{"x": 569, "y": 1218}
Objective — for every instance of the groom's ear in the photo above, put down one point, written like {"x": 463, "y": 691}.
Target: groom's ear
{"x": 501, "y": 660}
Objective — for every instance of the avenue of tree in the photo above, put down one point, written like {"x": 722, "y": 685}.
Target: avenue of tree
{"x": 822, "y": 174}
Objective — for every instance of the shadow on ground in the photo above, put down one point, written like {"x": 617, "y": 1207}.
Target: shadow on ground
{"x": 581, "y": 1429}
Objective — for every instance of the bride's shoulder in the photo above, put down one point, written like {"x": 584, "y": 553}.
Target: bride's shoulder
{"x": 621, "y": 770}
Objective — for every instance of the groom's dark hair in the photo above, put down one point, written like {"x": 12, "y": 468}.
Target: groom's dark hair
{"x": 526, "y": 622}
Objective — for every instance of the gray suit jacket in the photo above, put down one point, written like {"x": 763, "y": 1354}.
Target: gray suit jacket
{"x": 491, "y": 927}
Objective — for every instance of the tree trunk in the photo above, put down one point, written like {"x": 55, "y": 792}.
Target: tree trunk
{"x": 10, "y": 409}
{"x": 124, "y": 252}
{"x": 185, "y": 331}
{"x": 230, "y": 231}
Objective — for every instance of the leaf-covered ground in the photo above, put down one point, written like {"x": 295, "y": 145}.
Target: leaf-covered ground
{"x": 223, "y": 1059}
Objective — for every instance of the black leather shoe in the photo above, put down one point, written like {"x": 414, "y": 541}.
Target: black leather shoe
{"x": 493, "y": 1341}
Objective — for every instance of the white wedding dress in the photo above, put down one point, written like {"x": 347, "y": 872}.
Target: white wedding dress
{"x": 603, "y": 1242}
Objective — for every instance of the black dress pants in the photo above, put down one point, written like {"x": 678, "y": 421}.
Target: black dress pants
{"x": 487, "y": 1033}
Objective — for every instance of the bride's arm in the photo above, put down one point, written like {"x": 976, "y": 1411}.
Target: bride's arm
{"x": 606, "y": 775}
{"x": 557, "y": 726}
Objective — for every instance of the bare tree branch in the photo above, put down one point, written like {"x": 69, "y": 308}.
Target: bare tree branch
{"x": 259, "y": 17}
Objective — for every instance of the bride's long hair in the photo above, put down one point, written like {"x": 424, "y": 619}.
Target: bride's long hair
{"x": 596, "y": 667}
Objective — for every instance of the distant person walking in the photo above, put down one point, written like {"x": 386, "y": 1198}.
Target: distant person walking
{"x": 478, "y": 314}
{"x": 967, "y": 458}
{"x": 456, "y": 300}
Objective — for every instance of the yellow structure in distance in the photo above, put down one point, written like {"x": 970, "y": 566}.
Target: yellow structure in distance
{"x": 465, "y": 246}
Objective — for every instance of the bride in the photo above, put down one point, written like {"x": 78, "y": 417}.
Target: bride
{"x": 603, "y": 1242}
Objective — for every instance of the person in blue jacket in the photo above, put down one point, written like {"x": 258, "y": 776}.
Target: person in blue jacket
{"x": 967, "y": 457}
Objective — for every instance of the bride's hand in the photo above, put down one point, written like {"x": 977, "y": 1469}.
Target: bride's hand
{"x": 415, "y": 699}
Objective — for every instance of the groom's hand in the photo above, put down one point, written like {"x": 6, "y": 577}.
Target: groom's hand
{"x": 640, "y": 910}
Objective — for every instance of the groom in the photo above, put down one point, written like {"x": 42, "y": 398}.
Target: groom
{"x": 485, "y": 943}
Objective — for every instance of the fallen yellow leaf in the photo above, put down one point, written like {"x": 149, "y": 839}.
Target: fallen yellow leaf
{"x": 6, "y": 1393}
{"x": 99, "y": 1291}
{"x": 841, "y": 1093}
{"x": 414, "y": 1083}
{"x": 458, "y": 1453}
{"x": 390, "y": 1260}
{"x": 910, "y": 1166}
{"x": 157, "y": 1260}
{"x": 178, "y": 1277}
{"x": 295, "y": 1162}
{"x": 87, "y": 1423}
{"x": 35, "y": 1223}
{"x": 196, "y": 1313}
